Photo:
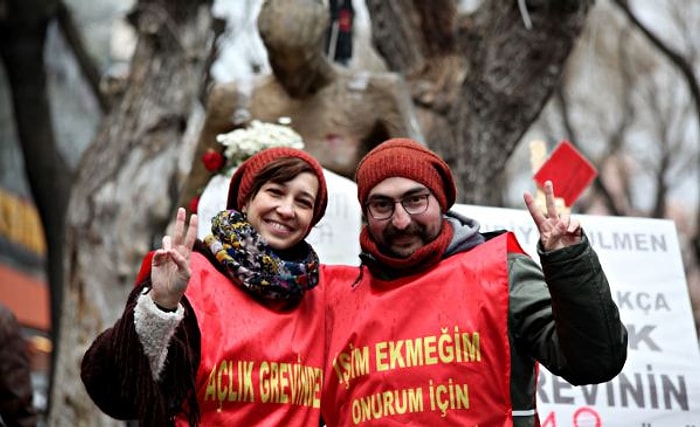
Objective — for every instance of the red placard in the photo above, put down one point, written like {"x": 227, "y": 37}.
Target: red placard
{"x": 568, "y": 170}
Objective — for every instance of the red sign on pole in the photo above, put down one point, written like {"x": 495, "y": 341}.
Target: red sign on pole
{"x": 568, "y": 170}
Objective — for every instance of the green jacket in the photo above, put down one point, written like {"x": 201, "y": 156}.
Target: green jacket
{"x": 587, "y": 344}
{"x": 561, "y": 315}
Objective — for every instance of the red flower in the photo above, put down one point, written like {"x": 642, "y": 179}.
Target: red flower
{"x": 213, "y": 160}
{"x": 194, "y": 204}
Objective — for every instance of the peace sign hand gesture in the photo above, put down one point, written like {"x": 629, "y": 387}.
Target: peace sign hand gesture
{"x": 556, "y": 231}
{"x": 170, "y": 267}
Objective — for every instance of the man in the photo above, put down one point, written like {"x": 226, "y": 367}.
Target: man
{"x": 444, "y": 325}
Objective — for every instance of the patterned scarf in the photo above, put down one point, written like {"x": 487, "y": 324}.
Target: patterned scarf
{"x": 253, "y": 265}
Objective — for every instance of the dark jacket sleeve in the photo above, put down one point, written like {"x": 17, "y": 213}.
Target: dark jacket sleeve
{"x": 117, "y": 374}
{"x": 16, "y": 397}
{"x": 563, "y": 315}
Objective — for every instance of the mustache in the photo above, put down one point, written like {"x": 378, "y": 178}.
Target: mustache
{"x": 413, "y": 229}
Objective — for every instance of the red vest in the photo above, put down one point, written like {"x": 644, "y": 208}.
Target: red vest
{"x": 258, "y": 366}
{"x": 429, "y": 349}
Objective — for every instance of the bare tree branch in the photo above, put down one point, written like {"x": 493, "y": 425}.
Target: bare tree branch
{"x": 686, "y": 70}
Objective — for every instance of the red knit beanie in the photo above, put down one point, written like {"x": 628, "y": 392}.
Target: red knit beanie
{"x": 402, "y": 157}
{"x": 242, "y": 180}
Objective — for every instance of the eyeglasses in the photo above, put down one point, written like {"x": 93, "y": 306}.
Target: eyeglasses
{"x": 383, "y": 208}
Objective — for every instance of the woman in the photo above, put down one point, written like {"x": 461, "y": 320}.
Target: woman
{"x": 223, "y": 331}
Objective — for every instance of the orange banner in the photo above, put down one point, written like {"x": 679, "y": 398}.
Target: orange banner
{"x": 27, "y": 296}
{"x": 20, "y": 223}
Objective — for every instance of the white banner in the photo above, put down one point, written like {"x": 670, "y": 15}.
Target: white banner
{"x": 660, "y": 384}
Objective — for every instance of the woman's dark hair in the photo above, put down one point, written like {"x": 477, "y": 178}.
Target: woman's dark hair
{"x": 279, "y": 171}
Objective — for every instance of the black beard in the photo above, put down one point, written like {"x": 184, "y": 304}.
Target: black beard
{"x": 412, "y": 230}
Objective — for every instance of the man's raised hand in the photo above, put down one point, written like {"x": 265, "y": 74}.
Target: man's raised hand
{"x": 556, "y": 230}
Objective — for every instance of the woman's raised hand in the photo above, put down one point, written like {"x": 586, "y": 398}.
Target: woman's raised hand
{"x": 556, "y": 230}
{"x": 170, "y": 267}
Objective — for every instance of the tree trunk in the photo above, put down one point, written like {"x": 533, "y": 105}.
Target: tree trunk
{"x": 23, "y": 28}
{"x": 686, "y": 70}
{"x": 125, "y": 192}
{"x": 512, "y": 73}
{"x": 477, "y": 100}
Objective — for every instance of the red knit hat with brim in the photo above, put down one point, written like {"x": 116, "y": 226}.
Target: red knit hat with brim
{"x": 406, "y": 158}
{"x": 242, "y": 180}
